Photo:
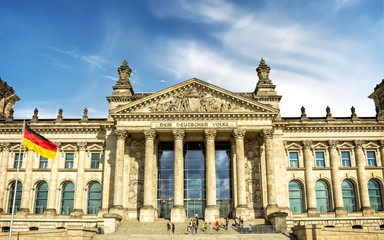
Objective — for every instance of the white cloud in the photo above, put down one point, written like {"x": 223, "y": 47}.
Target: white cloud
{"x": 112, "y": 78}
{"x": 91, "y": 60}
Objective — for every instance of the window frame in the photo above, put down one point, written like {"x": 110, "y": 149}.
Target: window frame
{"x": 38, "y": 190}
{"x": 353, "y": 197}
{"x": 11, "y": 193}
{"x": 63, "y": 191}
{"x": 291, "y": 160}
{"x": 69, "y": 161}
{"x": 94, "y": 199}
{"x": 320, "y": 160}
{"x": 43, "y": 162}
{"x": 93, "y": 162}
{"x": 301, "y": 190}
{"x": 327, "y": 197}
{"x": 17, "y": 161}
{"x": 343, "y": 159}
{"x": 378, "y": 196}
{"x": 369, "y": 160}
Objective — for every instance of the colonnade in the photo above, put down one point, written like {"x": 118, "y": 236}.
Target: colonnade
{"x": 147, "y": 212}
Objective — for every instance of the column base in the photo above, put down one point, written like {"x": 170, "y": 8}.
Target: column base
{"x": 50, "y": 212}
{"x": 211, "y": 213}
{"x": 117, "y": 209}
{"x": 147, "y": 214}
{"x": 313, "y": 212}
{"x": 340, "y": 212}
{"x": 242, "y": 211}
{"x": 178, "y": 214}
{"x": 271, "y": 208}
{"x": 367, "y": 211}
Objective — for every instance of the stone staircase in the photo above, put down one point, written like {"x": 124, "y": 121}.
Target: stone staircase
{"x": 133, "y": 229}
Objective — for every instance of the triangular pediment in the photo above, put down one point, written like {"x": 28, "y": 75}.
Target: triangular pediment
{"x": 194, "y": 96}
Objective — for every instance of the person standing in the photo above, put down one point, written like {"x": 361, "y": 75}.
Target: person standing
{"x": 168, "y": 228}
{"x": 226, "y": 223}
{"x": 210, "y": 228}
{"x": 173, "y": 228}
{"x": 217, "y": 225}
{"x": 206, "y": 227}
{"x": 242, "y": 223}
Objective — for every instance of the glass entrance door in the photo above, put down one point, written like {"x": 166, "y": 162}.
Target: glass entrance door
{"x": 194, "y": 178}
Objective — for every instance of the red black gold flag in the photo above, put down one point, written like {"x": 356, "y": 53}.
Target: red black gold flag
{"x": 38, "y": 143}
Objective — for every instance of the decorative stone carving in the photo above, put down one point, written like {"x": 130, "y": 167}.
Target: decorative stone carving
{"x": 329, "y": 115}
{"x": 253, "y": 175}
{"x": 124, "y": 71}
{"x": 268, "y": 133}
{"x": 35, "y": 115}
{"x": 359, "y": 143}
{"x": 178, "y": 134}
{"x": 149, "y": 134}
{"x": 192, "y": 100}
{"x": 307, "y": 144}
{"x": 239, "y": 133}
{"x": 303, "y": 114}
{"x": 60, "y": 116}
{"x": 136, "y": 189}
{"x": 210, "y": 134}
{"x": 85, "y": 115}
{"x": 333, "y": 143}
{"x": 263, "y": 72}
{"x": 121, "y": 134}
{"x": 82, "y": 146}
{"x": 353, "y": 113}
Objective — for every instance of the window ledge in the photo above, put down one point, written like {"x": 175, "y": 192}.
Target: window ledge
{"x": 373, "y": 167}
{"x": 93, "y": 170}
{"x": 347, "y": 168}
{"x": 67, "y": 169}
{"x": 14, "y": 169}
{"x": 321, "y": 168}
{"x": 295, "y": 168}
{"x": 41, "y": 169}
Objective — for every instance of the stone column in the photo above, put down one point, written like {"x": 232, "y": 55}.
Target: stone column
{"x": 51, "y": 205}
{"x": 147, "y": 212}
{"x": 270, "y": 165}
{"x": 27, "y": 184}
{"x": 79, "y": 194}
{"x": 234, "y": 174}
{"x": 211, "y": 210}
{"x": 310, "y": 185}
{"x": 241, "y": 209}
{"x": 362, "y": 179}
{"x": 121, "y": 135}
{"x": 336, "y": 186}
{"x": 3, "y": 174}
{"x": 178, "y": 211}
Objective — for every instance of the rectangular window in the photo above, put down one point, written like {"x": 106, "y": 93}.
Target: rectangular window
{"x": 293, "y": 159}
{"x": 371, "y": 158}
{"x": 18, "y": 161}
{"x": 69, "y": 160}
{"x": 95, "y": 160}
{"x": 43, "y": 162}
{"x": 346, "y": 159}
{"x": 320, "y": 162}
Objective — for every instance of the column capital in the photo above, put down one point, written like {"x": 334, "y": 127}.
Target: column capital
{"x": 307, "y": 144}
{"x": 382, "y": 144}
{"x": 268, "y": 133}
{"x": 82, "y": 146}
{"x": 239, "y": 133}
{"x": 359, "y": 143}
{"x": 121, "y": 134}
{"x": 178, "y": 134}
{"x": 6, "y": 146}
{"x": 332, "y": 143}
{"x": 210, "y": 134}
{"x": 149, "y": 134}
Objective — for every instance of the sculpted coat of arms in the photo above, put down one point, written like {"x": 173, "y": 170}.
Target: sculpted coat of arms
{"x": 191, "y": 100}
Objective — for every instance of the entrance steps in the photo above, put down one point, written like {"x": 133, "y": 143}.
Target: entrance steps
{"x": 133, "y": 229}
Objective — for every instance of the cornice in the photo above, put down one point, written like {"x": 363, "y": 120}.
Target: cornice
{"x": 194, "y": 116}
{"x": 328, "y": 128}
{"x": 44, "y": 129}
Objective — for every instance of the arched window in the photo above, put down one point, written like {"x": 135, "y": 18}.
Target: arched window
{"x": 94, "y": 198}
{"x": 67, "y": 198}
{"x": 349, "y": 200}
{"x": 295, "y": 197}
{"x": 18, "y": 196}
{"x": 41, "y": 197}
{"x": 375, "y": 195}
{"x": 322, "y": 198}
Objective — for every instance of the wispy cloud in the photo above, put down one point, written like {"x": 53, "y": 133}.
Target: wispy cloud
{"x": 92, "y": 60}
{"x": 111, "y": 77}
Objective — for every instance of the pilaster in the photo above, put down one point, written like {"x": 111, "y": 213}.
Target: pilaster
{"x": 51, "y": 205}
{"x": 3, "y": 173}
{"x": 234, "y": 174}
{"x": 79, "y": 194}
{"x": 27, "y": 185}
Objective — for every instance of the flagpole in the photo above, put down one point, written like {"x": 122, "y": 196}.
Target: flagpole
{"x": 17, "y": 176}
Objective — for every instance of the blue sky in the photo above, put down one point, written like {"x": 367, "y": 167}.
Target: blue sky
{"x": 65, "y": 54}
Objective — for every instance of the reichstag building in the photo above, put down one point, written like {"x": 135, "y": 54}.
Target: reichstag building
{"x": 194, "y": 148}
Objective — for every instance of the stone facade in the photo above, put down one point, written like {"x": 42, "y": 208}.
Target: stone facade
{"x": 267, "y": 154}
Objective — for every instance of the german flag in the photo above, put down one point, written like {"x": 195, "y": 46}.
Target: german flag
{"x": 38, "y": 143}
